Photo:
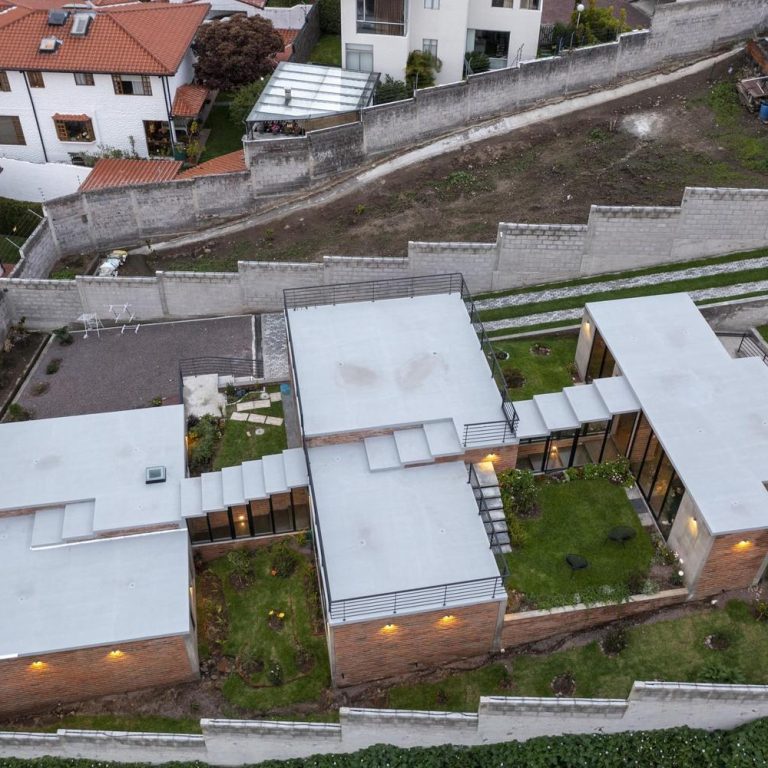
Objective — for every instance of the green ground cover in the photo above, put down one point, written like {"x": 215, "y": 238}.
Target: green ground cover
{"x": 110, "y": 722}
{"x": 256, "y": 641}
{"x": 575, "y": 518}
{"x": 542, "y": 373}
{"x": 666, "y": 650}
{"x": 9, "y": 251}
{"x": 225, "y": 136}
{"x": 327, "y": 52}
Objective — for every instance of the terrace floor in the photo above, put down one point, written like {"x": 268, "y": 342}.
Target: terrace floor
{"x": 114, "y": 371}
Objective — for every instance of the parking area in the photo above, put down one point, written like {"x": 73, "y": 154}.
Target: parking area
{"x": 115, "y": 371}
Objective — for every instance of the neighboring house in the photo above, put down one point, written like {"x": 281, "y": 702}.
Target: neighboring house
{"x": 378, "y": 35}
{"x": 80, "y": 78}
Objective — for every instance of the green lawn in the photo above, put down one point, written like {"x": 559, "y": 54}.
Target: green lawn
{"x": 575, "y": 518}
{"x": 225, "y": 136}
{"x": 543, "y": 373}
{"x": 9, "y": 252}
{"x": 240, "y": 442}
{"x": 250, "y": 635}
{"x": 327, "y": 52}
{"x": 763, "y": 331}
{"x": 110, "y": 722}
{"x": 666, "y": 650}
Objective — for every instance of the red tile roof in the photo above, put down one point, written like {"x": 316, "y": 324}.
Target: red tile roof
{"x": 109, "y": 172}
{"x": 140, "y": 38}
{"x": 189, "y": 100}
{"x": 231, "y": 163}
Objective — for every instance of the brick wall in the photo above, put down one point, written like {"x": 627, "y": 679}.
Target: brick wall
{"x": 89, "y": 672}
{"x": 208, "y": 552}
{"x": 529, "y": 626}
{"x": 364, "y": 651}
{"x": 732, "y": 564}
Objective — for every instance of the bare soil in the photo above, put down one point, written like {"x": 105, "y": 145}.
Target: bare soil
{"x": 642, "y": 150}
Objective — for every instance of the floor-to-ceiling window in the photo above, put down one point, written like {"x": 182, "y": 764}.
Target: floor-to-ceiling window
{"x": 601, "y": 362}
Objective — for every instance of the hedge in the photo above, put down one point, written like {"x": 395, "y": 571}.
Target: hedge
{"x": 745, "y": 747}
{"x": 16, "y": 212}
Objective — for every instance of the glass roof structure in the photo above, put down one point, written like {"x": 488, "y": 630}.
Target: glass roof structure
{"x": 303, "y": 91}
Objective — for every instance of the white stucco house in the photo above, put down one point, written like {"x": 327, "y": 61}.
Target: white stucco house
{"x": 78, "y": 78}
{"x": 378, "y": 35}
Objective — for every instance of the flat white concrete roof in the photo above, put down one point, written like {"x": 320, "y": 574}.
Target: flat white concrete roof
{"x": 99, "y": 458}
{"x": 396, "y": 529}
{"x": 100, "y": 592}
{"x": 708, "y": 410}
{"x": 394, "y": 362}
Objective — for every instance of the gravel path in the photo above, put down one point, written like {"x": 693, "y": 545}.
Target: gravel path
{"x": 274, "y": 346}
{"x": 519, "y": 299}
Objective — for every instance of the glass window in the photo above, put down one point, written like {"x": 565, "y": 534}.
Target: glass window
{"x": 158, "y": 136}
{"x": 530, "y": 5}
{"x": 10, "y": 130}
{"x": 653, "y": 456}
{"x": 74, "y": 130}
{"x": 261, "y": 516}
{"x": 589, "y": 449}
{"x": 429, "y": 45}
{"x": 132, "y": 85}
{"x": 360, "y": 58}
{"x": 198, "y": 530}
{"x": 671, "y": 504}
{"x": 530, "y": 454}
{"x": 219, "y": 522}
{"x": 503, "y": 3}
{"x": 622, "y": 429}
{"x": 300, "y": 499}
{"x": 282, "y": 513}
{"x": 432, "y": 5}
{"x": 83, "y": 78}
{"x": 639, "y": 445}
{"x": 35, "y": 80}
{"x": 601, "y": 362}
{"x": 4, "y": 84}
{"x": 381, "y": 17}
{"x": 240, "y": 521}
{"x": 560, "y": 450}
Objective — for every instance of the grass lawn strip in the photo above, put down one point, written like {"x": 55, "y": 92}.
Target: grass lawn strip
{"x": 225, "y": 136}
{"x": 327, "y": 52}
{"x": 575, "y": 518}
{"x": 672, "y": 651}
{"x": 542, "y": 373}
{"x": 251, "y": 638}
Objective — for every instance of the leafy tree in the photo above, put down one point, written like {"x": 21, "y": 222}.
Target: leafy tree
{"x": 598, "y": 25}
{"x": 244, "y": 99}
{"x": 392, "y": 90}
{"x": 330, "y": 16}
{"x": 421, "y": 68}
{"x": 236, "y": 52}
{"x": 478, "y": 62}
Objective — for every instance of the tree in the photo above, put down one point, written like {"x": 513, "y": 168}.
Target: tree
{"x": 421, "y": 68}
{"x": 330, "y": 16}
{"x": 392, "y": 90}
{"x": 598, "y": 25}
{"x": 236, "y": 52}
{"x": 244, "y": 99}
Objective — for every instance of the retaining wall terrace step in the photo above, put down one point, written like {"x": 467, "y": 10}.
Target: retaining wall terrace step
{"x": 232, "y": 486}
{"x": 412, "y": 446}
{"x": 382, "y": 453}
{"x": 442, "y": 438}
{"x": 78, "y": 521}
{"x": 274, "y": 474}
{"x": 213, "y": 492}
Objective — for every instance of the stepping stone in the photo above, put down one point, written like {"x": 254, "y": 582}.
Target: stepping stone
{"x": 275, "y": 397}
{"x": 238, "y": 417}
{"x": 252, "y": 405}
{"x": 274, "y": 421}
{"x": 257, "y": 418}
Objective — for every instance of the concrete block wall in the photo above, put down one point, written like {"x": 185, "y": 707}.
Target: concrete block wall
{"x": 186, "y": 294}
{"x": 38, "y": 254}
{"x": 649, "y": 706}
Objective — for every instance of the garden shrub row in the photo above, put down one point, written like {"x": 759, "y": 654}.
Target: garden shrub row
{"x": 744, "y": 747}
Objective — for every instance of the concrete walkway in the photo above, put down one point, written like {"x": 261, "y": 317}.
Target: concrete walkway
{"x": 450, "y": 143}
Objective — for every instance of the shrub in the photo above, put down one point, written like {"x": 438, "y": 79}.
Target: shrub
{"x": 18, "y": 412}
{"x": 519, "y": 491}
{"x": 205, "y": 436}
{"x": 718, "y": 671}
{"x": 156, "y": 401}
{"x": 392, "y": 90}
{"x": 478, "y": 62}
{"x": 275, "y": 673}
{"x": 330, "y": 16}
{"x": 40, "y": 388}
{"x": 53, "y": 366}
{"x": 284, "y": 559}
{"x": 421, "y": 69}
{"x": 614, "y": 641}
{"x": 518, "y": 536}
{"x": 616, "y": 472}
{"x": 241, "y": 568}
{"x": 63, "y": 335}
{"x": 761, "y": 610}
{"x": 244, "y": 99}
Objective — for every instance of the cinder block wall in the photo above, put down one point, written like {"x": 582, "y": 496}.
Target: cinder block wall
{"x": 365, "y": 651}
{"x": 90, "y": 672}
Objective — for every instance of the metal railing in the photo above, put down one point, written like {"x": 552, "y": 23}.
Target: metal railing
{"x": 392, "y": 603}
{"x": 222, "y": 366}
{"x": 748, "y": 347}
{"x": 484, "y": 511}
{"x": 373, "y": 290}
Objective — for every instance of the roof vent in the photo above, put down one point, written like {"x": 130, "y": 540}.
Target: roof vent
{"x": 49, "y": 45}
{"x": 154, "y": 475}
{"x": 287, "y": 95}
{"x": 57, "y": 18}
{"x": 80, "y": 24}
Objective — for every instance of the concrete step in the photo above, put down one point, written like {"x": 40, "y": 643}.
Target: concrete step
{"x": 442, "y": 438}
{"x": 501, "y": 538}
{"x": 232, "y": 486}
{"x": 497, "y": 514}
{"x": 212, "y": 492}
{"x": 253, "y": 480}
{"x": 274, "y": 474}
{"x": 412, "y": 446}
{"x": 505, "y": 549}
{"x": 382, "y": 453}
{"x": 78, "y": 521}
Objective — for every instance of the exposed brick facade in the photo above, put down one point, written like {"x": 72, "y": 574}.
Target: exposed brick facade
{"x": 527, "y": 627}
{"x": 89, "y": 672}
{"x": 365, "y": 651}
{"x": 339, "y": 438}
{"x": 731, "y": 565}
{"x": 210, "y": 552}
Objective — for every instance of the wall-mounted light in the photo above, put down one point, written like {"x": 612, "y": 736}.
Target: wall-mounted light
{"x": 116, "y": 654}
{"x": 743, "y": 545}
{"x": 491, "y": 457}
{"x": 37, "y": 665}
{"x": 693, "y": 526}
{"x": 447, "y": 621}
{"x": 388, "y": 629}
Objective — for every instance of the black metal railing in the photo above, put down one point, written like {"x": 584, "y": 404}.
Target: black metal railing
{"x": 392, "y": 603}
{"x": 748, "y": 347}
{"x": 484, "y": 509}
{"x": 222, "y": 366}
{"x": 373, "y": 290}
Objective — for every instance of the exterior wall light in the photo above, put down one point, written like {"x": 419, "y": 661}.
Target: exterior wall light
{"x": 116, "y": 654}
{"x": 693, "y": 526}
{"x": 37, "y": 665}
{"x": 743, "y": 545}
{"x": 388, "y": 629}
{"x": 447, "y": 621}
{"x": 491, "y": 457}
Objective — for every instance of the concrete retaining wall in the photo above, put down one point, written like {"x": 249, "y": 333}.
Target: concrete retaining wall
{"x": 709, "y": 222}
{"x": 650, "y": 706}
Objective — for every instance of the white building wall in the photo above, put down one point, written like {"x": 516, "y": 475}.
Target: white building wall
{"x": 389, "y": 51}
{"x": 39, "y": 182}
{"x": 522, "y": 25}
{"x": 448, "y": 26}
{"x": 115, "y": 117}
{"x": 184, "y": 75}
{"x": 691, "y": 539}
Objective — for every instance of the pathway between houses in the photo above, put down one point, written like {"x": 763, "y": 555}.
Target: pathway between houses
{"x": 477, "y": 133}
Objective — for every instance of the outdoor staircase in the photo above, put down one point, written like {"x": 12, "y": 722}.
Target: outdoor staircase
{"x": 250, "y": 481}
{"x": 413, "y": 446}
{"x": 485, "y": 486}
